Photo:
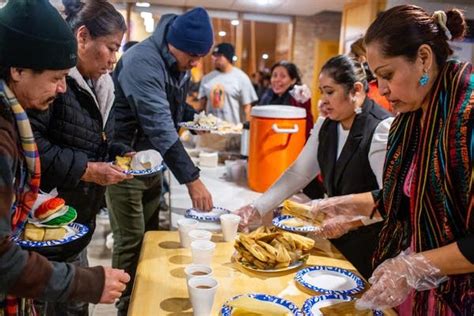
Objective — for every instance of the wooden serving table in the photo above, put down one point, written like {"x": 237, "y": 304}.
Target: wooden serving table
{"x": 160, "y": 282}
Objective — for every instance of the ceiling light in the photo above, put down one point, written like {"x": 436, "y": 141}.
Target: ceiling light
{"x": 143, "y": 4}
{"x": 222, "y": 33}
{"x": 265, "y": 56}
{"x": 235, "y": 22}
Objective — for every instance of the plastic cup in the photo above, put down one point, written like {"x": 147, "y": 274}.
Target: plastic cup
{"x": 202, "y": 251}
{"x": 199, "y": 234}
{"x": 185, "y": 225}
{"x": 202, "y": 291}
{"x": 194, "y": 270}
{"x": 229, "y": 226}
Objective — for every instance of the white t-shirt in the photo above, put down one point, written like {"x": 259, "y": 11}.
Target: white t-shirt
{"x": 226, "y": 94}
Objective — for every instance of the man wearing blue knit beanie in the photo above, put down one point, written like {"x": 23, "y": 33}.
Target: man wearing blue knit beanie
{"x": 151, "y": 82}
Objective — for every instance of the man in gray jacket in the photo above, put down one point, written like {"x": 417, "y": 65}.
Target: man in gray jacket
{"x": 151, "y": 82}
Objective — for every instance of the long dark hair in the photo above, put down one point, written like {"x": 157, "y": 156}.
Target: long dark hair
{"x": 345, "y": 71}
{"x": 401, "y": 30}
{"x": 99, "y": 17}
{"x": 293, "y": 71}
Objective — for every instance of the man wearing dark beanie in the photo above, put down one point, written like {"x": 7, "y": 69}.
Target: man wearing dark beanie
{"x": 151, "y": 83}
{"x": 31, "y": 81}
{"x": 227, "y": 91}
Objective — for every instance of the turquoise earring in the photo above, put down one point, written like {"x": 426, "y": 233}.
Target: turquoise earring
{"x": 424, "y": 79}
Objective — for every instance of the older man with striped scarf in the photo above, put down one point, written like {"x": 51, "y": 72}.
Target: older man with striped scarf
{"x": 32, "y": 81}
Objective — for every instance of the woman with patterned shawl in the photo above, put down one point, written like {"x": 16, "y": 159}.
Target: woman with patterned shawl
{"x": 425, "y": 256}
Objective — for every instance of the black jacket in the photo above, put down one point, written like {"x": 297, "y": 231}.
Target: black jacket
{"x": 151, "y": 101}
{"x": 351, "y": 172}
{"x": 71, "y": 134}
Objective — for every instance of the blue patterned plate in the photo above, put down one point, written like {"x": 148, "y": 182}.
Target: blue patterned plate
{"x": 312, "y": 305}
{"x": 280, "y": 223}
{"x": 227, "y": 310}
{"x": 76, "y": 231}
{"x": 194, "y": 127}
{"x": 329, "y": 280}
{"x": 212, "y": 216}
{"x": 144, "y": 172}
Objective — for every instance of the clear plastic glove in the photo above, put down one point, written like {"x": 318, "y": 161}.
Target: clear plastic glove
{"x": 338, "y": 226}
{"x": 301, "y": 93}
{"x": 393, "y": 280}
{"x": 250, "y": 217}
{"x": 338, "y": 214}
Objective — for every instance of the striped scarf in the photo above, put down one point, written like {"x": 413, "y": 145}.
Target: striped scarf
{"x": 27, "y": 188}
{"x": 441, "y": 203}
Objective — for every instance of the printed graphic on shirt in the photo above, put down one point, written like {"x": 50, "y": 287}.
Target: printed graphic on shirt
{"x": 217, "y": 96}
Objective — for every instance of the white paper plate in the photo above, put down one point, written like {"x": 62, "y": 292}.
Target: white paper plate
{"x": 329, "y": 280}
{"x": 312, "y": 305}
{"x": 292, "y": 308}
{"x": 212, "y": 216}
{"x": 279, "y": 222}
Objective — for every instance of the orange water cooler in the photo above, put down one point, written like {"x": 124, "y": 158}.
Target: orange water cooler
{"x": 277, "y": 135}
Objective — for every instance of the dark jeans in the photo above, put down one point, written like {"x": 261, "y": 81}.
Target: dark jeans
{"x": 133, "y": 210}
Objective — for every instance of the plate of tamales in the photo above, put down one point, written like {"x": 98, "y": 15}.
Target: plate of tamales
{"x": 269, "y": 250}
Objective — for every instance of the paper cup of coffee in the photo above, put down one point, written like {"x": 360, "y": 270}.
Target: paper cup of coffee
{"x": 194, "y": 270}
{"x": 202, "y": 290}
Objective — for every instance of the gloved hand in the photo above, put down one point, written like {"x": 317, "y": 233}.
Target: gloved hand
{"x": 250, "y": 217}
{"x": 338, "y": 214}
{"x": 393, "y": 280}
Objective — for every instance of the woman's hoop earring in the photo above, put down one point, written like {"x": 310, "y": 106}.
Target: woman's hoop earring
{"x": 424, "y": 78}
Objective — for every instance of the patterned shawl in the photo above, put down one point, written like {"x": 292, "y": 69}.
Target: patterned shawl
{"x": 441, "y": 203}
